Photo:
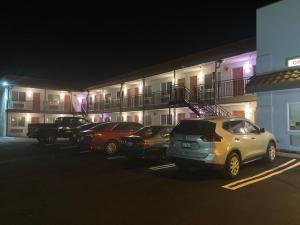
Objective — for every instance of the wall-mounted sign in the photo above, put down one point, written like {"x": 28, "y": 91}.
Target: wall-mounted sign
{"x": 294, "y": 62}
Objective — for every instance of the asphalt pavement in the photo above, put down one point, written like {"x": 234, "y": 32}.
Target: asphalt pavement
{"x": 59, "y": 184}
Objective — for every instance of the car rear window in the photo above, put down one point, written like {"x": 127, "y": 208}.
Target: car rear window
{"x": 102, "y": 126}
{"x": 195, "y": 127}
{"x": 148, "y": 131}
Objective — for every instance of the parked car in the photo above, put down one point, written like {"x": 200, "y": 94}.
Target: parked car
{"x": 47, "y": 132}
{"x": 74, "y": 132}
{"x": 224, "y": 143}
{"x": 107, "y": 136}
{"x": 150, "y": 142}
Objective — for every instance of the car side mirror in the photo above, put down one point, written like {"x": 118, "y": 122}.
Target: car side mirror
{"x": 262, "y": 130}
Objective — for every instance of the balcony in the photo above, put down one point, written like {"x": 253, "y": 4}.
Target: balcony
{"x": 132, "y": 102}
{"x": 229, "y": 91}
{"x": 20, "y": 105}
{"x": 31, "y": 106}
{"x": 112, "y": 105}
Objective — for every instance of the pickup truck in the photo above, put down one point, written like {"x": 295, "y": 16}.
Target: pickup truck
{"x": 47, "y": 133}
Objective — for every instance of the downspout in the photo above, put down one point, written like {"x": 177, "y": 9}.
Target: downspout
{"x": 44, "y": 106}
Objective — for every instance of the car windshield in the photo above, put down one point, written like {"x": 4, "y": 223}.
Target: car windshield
{"x": 195, "y": 127}
{"x": 102, "y": 126}
{"x": 148, "y": 131}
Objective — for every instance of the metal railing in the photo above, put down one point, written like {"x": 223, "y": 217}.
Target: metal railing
{"x": 42, "y": 106}
{"x": 226, "y": 88}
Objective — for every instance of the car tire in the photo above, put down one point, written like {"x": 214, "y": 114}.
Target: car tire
{"x": 271, "y": 152}
{"x": 41, "y": 140}
{"x": 233, "y": 165}
{"x": 111, "y": 148}
{"x": 182, "y": 167}
{"x": 51, "y": 139}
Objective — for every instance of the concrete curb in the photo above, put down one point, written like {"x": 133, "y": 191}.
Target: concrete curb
{"x": 288, "y": 155}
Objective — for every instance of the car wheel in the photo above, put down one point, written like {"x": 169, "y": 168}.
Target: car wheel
{"x": 271, "y": 152}
{"x": 51, "y": 139}
{"x": 41, "y": 140}
{"x": 163, "y": 155}
{"x": 182, "y": 167}
{"x": 233, "y": 165}
{"x": 111, "y": 148}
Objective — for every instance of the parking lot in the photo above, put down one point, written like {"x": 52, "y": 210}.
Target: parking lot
{"x": 59, "y": 184}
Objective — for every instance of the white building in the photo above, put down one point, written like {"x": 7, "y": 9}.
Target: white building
{"x": 277, "y": 84}
{"x": 143, "y": 96}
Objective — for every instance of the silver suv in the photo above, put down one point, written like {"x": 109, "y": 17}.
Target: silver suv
{"x": 221, "y": 142}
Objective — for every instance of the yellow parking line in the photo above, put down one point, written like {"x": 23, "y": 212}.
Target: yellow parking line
{"x": 260, "y": 176}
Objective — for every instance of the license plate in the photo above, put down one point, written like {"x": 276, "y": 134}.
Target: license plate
{"x": 185, "y": 144}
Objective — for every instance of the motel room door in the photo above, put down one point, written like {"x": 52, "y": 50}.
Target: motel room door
{"x": 36, "y": 102}
{"x": 180, "y": 88}
{"x": 238, "y": 82}
{"x": 67, "y": 103}
{"x": 35, "y": 119}
{"x": 180, "y": 116}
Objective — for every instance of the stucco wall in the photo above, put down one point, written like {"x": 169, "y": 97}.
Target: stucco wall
{"x": 277, "y": 35}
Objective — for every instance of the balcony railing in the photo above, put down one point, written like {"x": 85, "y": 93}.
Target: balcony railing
{"x": 226, "y": 89}
{"x": 20, "y": 105}
{"x": 39, "y": 106}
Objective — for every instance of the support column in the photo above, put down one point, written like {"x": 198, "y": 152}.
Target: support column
{"x": 44, "y": 105}
{"x": 174, "y": 110}
{"x": 143, "y": 98}
{"x": 121, "y": 99}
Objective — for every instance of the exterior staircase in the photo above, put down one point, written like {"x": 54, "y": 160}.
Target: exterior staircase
{"x": 202, "y": 107}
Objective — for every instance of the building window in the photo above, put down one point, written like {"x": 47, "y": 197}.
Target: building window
{"x": 50, "y": 119}
{"x": 17, "y": 121}
{"x": 148, "y": 121}
{"x": 18, "y": 96}
{"x": 119, "y": 94}
{"x": 208, "y": 81}
{"x": 166, "y": 87}
{"x": 166, "y": 119}
{"x": 107, "y": 98}
{"x": 148, "y": 91}
{"x": 294, "y": 116}
{"x": 53, "y": 99}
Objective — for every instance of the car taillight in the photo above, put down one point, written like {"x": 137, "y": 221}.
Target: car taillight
{"x": 211, "y": 137}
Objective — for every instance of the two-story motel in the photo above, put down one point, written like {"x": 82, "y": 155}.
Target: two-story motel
{"x": 216, "y": 76}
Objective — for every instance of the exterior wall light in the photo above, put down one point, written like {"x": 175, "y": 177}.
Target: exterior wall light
{"x": 247, "y": 67}
{"x": 29, "y": 93}
{"x": 4, "y": 83}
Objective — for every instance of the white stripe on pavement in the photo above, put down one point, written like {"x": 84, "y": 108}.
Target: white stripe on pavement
{"x": 260, "y": 177}
{"x": 116, "y": 157}
{"x": 161, "y": 167}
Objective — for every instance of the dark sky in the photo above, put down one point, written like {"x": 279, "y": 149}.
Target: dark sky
{"x": 93, "y": 43}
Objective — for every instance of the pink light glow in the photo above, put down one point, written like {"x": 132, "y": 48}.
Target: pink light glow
{"x": 247, "y": 67}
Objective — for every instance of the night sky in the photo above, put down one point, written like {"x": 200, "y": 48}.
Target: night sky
{"x": 95, "y": 43}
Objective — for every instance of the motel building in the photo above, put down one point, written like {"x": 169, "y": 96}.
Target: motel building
{"x": 277, "y": 80}
{"x": 213, "y": 81}
{"x": 26, "y": 100}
